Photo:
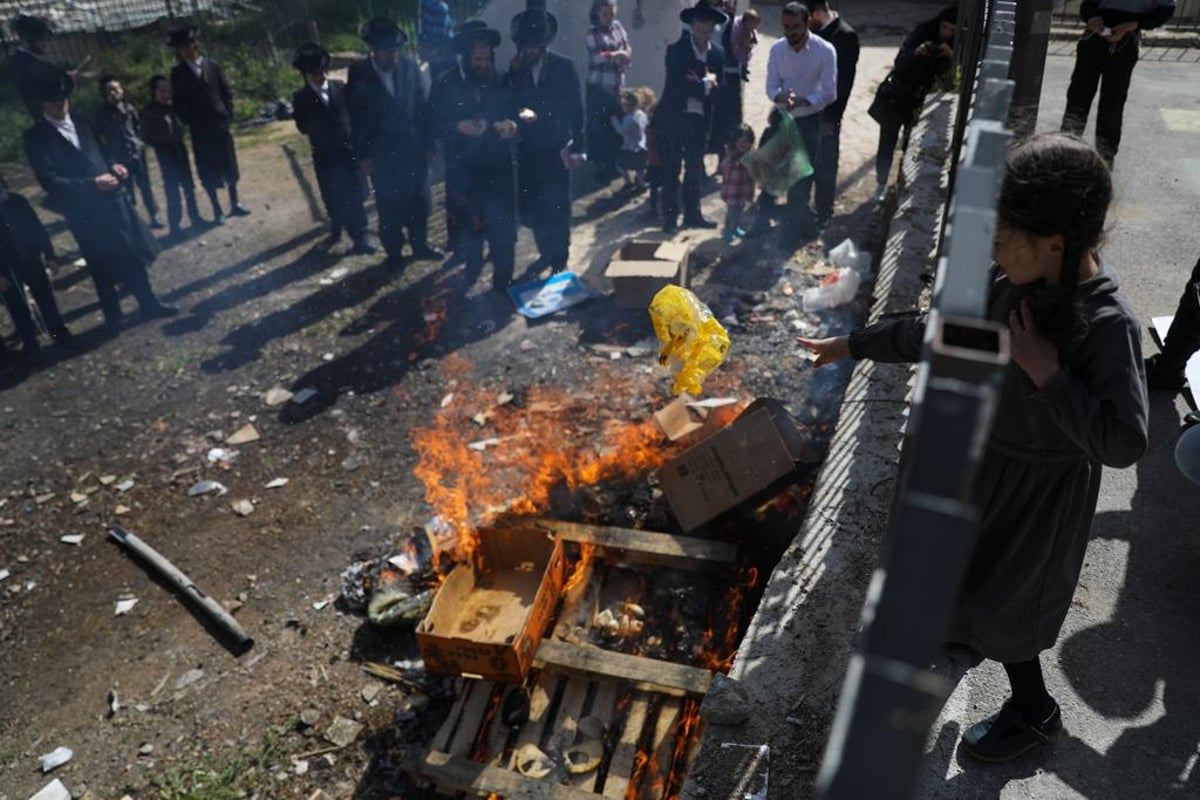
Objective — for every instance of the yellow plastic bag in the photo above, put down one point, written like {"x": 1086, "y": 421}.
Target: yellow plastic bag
{"x": 693, "y": 342}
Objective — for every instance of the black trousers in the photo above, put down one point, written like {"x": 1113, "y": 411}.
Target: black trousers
{"x": 177, "y": 180}
{"x": 827, "y": 169}
{"x": 1109, "y": 67}
{"x": 1184, "y": 337}
{"x": 141, "y": 177}
{"x": 340, "y": 182}
{"x": 885, "y": 153}
{"x": 800, "y": 222}
{"x": 492, "y": 203}
{"x": 682, "y": 142}
{"x": 32, "y": 275}
{"x": 727, "y": 111}
{"x": 544, "y": 202}
{"x": 402, "y": 203}
{"x": 603, "y": 142}
{"x": 216, "y": 157}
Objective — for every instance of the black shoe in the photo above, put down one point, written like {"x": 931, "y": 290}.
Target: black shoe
{"x": 699, "y": 221}
{"x": 218, "y": 218}
{"x": 112, "y": 325}
{"x": 1008, "y": 734}
{"x": 333, "y": 238}
{"x": 31, "y": 348}
{"x": 156, "y": 223}
{"x": 363, "y": 248}
{"x": 670, "y": 226}
{"x": 239, "y": 210}
{"x": 160, "y": 311}
{"x": 427, "y": 252}
{"x": 64, "y": 338}
{"x": 1161, "y": 378}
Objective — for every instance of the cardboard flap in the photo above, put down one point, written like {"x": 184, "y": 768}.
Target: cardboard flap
{"x": 672, "y": 251}
{"x": 798, "y": 443}
{"x": 642, "y": 269}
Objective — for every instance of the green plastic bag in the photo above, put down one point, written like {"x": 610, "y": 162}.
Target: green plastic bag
{"x": 782, "y": 162}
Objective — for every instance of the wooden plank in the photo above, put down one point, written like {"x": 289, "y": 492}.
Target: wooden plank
{"x": 497, "y": 734}
{"x": 441, "y": 739}
{"x": 616, "y": 784}
{"x": 566, "y": 721}
{"x": 457, "y": 774}
{"x": 602, "y": 713}
{"x": 648, "y": 546}
{"x": 662, "y": 747}
{"x": 472, "y": 717}
{"x": 661, "y": 676}
{"x": 541, "y": 698}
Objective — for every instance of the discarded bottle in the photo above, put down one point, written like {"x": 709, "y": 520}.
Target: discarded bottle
{"x": 692, "y": 340}
{"x": 835, "y": 290}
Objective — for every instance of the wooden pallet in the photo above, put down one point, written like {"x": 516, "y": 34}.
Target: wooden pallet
{"x": 639, "y": 703}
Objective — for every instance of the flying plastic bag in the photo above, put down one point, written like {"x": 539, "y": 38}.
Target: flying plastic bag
{"x": 781, "y": 162}
{"x": 693, "y": 342}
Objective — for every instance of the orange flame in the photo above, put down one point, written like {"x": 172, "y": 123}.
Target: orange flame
{"x": 687, "y": 735}
{"x": 718, "y": 655}
{"x": 512, "y": 457}
{"x": 586, "y": 552}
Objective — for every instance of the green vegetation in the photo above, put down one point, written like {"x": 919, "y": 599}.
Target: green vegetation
{"x": 226, "y": 777}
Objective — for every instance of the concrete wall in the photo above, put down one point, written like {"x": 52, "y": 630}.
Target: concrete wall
{"x": 649, "y": 43}
{"x": 1184, "y": 9}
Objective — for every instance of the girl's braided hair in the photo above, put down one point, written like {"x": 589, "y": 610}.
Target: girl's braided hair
{"x": 1058, "y": 184}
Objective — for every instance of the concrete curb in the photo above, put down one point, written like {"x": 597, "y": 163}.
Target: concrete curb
{"x": 793, "y": 658}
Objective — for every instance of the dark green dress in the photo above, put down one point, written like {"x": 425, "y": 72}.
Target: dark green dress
{"x": 1040, "y": 476}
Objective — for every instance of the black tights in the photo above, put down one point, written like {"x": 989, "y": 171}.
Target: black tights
{"x": 1029, "y": 694}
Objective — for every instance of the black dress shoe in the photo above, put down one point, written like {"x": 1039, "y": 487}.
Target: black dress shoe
{"x": 156, "y": 224}
{"x": 160, "y": 311}
{"x": 700, "y": 221}
{"x": 1009, "y": 733}
{"x": 363, "y": 249}
{"x": 239, "y": 210}
{"x": 427, "y": 252}
{"x": 1160, "y": 377}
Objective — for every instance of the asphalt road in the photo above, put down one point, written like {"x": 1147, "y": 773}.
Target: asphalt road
{"x": 1124, "y": 667}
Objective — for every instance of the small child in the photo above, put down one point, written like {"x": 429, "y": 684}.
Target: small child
{"x": 631, "y": 125}
{"x": 737, "y": 187}
{"x": 653, "y": 175}
{"x": 162, "y": 130}
{"x": 25, "y": 254}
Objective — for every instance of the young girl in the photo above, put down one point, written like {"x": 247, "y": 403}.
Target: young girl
{"x": 631, "y": 125}
{"x": 1073, "y": 401}
{"x": 737, "y": 187}
{"x": 648, "y": 102}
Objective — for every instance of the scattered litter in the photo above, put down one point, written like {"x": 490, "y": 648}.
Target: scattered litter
{"x": 334, "y": 276}
{"x": 277, "y": 396}
{"x": 343, "y": 732}
{"x": 219, "y": 455}
{"x": 121, "y": 511}
{"x": 54, "y": 790}
{"x": 55, "y": 759}
{"x": 78, "y": 497}
{"x": 327, "y": 357}
{"x": 30, "y": 585}
{"x": 532, "y": 762}
{"x": 483, "y": 444}
{"x": 4, "y": 574}
{"x": 146, "y": 749}
{"x": 208, "y": 487}
{"x": 300, "y": 766}
{"x": 447, "y": 400}
{"x": 42, "y": 499}
{"x": 504, "y": 398}
{"x": 243, "y": 435}
{"x": 526, "y": 345}
{"x": 323, "y": 602}
{"x": 114, "y": 703}
{"x": 125, "y": 485}
{"x": 125, "y": 606}
{"x": 835, "y": 290}
{"x": 188, "y": 678}
{"x": 303, "y": 396}
{"x": 712, "y": 402}
{"x": 677, "y": 419}
{"x": 71, "y": 538}
{"x": 405, "y": 562}
{"x": 243, "y": 508}
{"x": 799, "y": 723}
{"x": 370, "y": 692}
{"x": 540, "y": 298}
{"x": 277, "y": 483}
{"x": 847, "y": 254}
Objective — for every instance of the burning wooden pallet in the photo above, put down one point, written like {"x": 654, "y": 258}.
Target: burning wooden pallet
{"x": 592, "y": 722}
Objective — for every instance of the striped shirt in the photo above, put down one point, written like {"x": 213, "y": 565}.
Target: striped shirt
{"x": 603, "y": 45}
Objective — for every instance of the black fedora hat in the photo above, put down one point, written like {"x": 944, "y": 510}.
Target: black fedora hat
{"x": 31, "y": 29}
{"x": 311, "y": 57}
{"x": 182, "y": 35}
{"x": 534, "y": 27}
{"x": 475, "y": 32}
{"x": 382, "y": 33}
{"x": 703, "y": 11}
{"x": 48, "y": 82}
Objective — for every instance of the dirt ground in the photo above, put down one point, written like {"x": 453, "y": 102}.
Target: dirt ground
{"x": 388, "y": 352}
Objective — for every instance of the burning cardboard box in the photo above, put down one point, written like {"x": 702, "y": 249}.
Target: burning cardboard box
{"x": 639, "y": 269}
{"x": 487, "y": 620}
{"x": 759, "y": 452}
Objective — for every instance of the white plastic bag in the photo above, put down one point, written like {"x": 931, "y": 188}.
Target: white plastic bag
{"x": 836, "y": 290}
{"x": 847, "y": 254}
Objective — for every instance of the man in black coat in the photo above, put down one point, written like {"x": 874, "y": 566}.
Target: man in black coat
{"x": 694, "y": 67}
{"x": 162, "y": 131}
{"x": 24, "y": 243}
{"x": 475, "y": 117}
{"x": 546, "y": 89}
{"x": 829, "y": 25}
{"x": 69, "y": 165}
{"x": 33, "y": 33}
{"x": 204, "y": 102}
{"x": 389, "y": 123}
{"x": 119, "y": 129}
{"x": 320, "y": 112}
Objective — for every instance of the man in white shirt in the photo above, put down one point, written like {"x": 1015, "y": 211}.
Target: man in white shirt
{"x": 802, "y": 81}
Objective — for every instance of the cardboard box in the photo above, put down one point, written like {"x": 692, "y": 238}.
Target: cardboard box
{"x": 756, "y": 455}
{"x": 487, "y": 623}
{"x": 639, "y": 269}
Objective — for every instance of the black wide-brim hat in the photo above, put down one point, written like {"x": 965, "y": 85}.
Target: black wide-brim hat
{"x": 475, "y": 32}
{"x": 534, "y": 27}
{"x": 48, "y": 82}
{"x": 29, "y": 28}
{"x": 703, "y": 11}
{"x": 182, "y": 35}
{"x": 383, "y": 34}
{"x": 311, "y": 57}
